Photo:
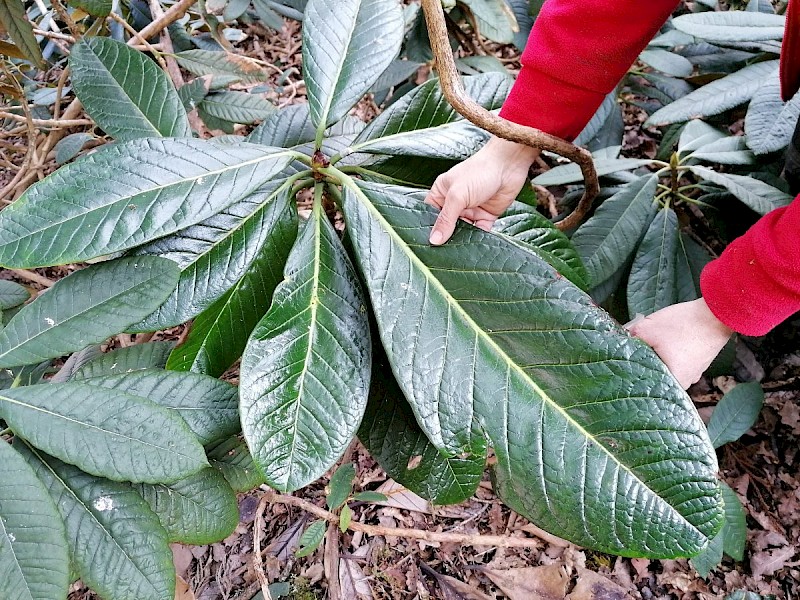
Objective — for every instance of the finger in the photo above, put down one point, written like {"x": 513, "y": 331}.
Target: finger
{"x": 479, "y": 217}
{"x": 447, "y": 219}
{"x": 436, "y": 196}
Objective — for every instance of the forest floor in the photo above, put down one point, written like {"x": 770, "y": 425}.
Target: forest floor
{"x": 762, "y": 468}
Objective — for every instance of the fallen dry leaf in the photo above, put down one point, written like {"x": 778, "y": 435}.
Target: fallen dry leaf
{"x": 542, "y": 583}
{"x": 398, "y": 496}
{"x": 593, "y": 586}
{"x": 466, "y": 591}
{"x": 182, "y": 557}
{"x": 352, "y": 580}
{"x": 767, "y": 562}
{"x": 182, "y": 590}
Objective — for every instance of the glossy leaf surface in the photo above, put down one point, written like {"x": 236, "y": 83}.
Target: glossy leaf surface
{"x": 107, "y": 433}
{"x": 200, "y": 509}
{"x": 127, "y": 194}
{"x": 109, "y": 79}
{"x": 232, "y": 458}
{"x": 219, "y": 334}
{"x": 110, "y": 520}
{"x": 86, "y": 308}
{"x": 347, "y": 44}
{"x": 485, "y": 340}
{"x": 305, "y": 371}
{"x": 422, "y": 123}
{"x": 214, "y": 255}
{"x": 152, "y": 355}
{"x": 526, "y": 224}
{"x": 12, "y": 294}
{"x": 391, "y": 434}
{"x": 653, "y": 281}
{"x": 207, "y": 405}
{"x": 609, "y": 238}
{"x": 34, "y": 564}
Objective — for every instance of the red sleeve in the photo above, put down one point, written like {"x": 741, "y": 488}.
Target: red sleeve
{"x": 577, "y": 52}
{"x": 755, "y": 284}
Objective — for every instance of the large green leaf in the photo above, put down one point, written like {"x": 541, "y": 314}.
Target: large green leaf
{"x": 127, "y": 194}
{"x": 237, "y": 107}
{"x": 347, "y": 44}
{"x": 86, "y": 308}
{"x": 608, "y": 239}
{"x": 12, "y": 294}
{"x": 391, "y": 434}
{"x": 734, "y": 532}
{"x": 485, "y": 340}
{"x": 14, "y": 20}
{"x": 730, "y": 150}
{"x": 756, "y": 194}
{"x": 200, "y": 509}
{"x": 152, "y": 355}
{"x": 215, "y": 254}
{"x": 653, "y": 283}
{"x": 717, "y": 96}
{"x": 34, "y": 564}
{"x": 732, "y": 26}
{"x": 208, "y": 405}
{"x": 526, "y": 224}
{"x": 305, "y": 371}
{"x": 116, "y": 542}
{"x": 125, "y": 92}
{"x": 288, "y": 127}
{"x": 108, "y": 433}
{"x": 495, "y": 19}
{"x": 770, "y": 122}
{"x": 219, "y": 334}
{"x": 232, "y": 458}
{"x": 667, "y": 62}
{"x": 571, "y": 173}
{"x": 422, "y": 123}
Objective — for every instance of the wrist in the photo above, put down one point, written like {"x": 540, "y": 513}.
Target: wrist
{"x": 511, "y": 153}
{"x": 711, "y": 321}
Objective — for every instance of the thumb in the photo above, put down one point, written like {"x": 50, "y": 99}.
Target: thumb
{"x": 445, "y": 224}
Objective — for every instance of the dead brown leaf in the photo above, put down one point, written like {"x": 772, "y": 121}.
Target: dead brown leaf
{"x": 352, "y": 580}
{"x": 465, "y": 591}
{"x": 398, "y": 496}
{"x": 593, "y": 586}
{"x": 541, "y": 583}
{"x": 183, "y": 591}
{"x": 767, "y": 562}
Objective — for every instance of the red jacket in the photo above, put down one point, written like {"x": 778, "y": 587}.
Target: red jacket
{"x": 578, "y": 51}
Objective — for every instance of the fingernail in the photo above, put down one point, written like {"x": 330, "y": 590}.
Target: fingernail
{"x": 437, "y": 238}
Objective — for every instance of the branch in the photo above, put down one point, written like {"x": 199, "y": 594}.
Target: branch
{"x": 453, "y": 90}
{"x": 463, "y": 539}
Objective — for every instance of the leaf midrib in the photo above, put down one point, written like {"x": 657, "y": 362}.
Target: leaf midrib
{"x": 118, "y": 85}
{"x": 499, "y": 351}
{"x": 90, "y": 426}
{"x": 157, "y": 189}
{"x": 68, "y": 319}
{"x": 71, "y": 492}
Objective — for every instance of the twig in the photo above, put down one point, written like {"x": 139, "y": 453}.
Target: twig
{"x": 258, "y": 560}
{"x": 62, "y": 81}
{"x": 330, "y": 560}
{"x": 135, "y": 35}
{"x": 52, "y": 35}
{"x": 33, "y": 276}
{"x": 463, "y": 539}
{"x": 46, "y": 122}
{"x": 62, "y": 12}
{"x": 172, "y": 67}
{"x": 175, "y": 12}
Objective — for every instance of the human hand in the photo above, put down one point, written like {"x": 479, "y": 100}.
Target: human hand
{"x": 481, "y": 188}
{"x": 687, "y": 337}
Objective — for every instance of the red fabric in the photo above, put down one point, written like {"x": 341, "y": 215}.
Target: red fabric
{"x": 578, "y": 51}
{"x": 790, "y": 53}
{"x": 755, "y": 284}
